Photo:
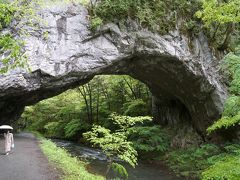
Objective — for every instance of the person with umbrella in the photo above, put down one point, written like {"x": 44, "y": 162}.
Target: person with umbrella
{"x": 9, "y": 141}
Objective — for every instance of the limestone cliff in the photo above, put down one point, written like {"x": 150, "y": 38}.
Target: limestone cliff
{"x": 185, "y": 81}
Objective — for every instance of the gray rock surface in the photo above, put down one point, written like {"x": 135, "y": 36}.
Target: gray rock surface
{"x": 64, "y": 54}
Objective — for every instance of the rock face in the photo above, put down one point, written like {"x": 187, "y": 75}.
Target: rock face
{"x": 185, "y": 81}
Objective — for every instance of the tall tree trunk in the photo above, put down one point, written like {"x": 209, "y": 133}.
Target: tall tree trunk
{"x": 97, "y": 106}
{"x": 130, "y": 87}
{"x": 90, "y": 102}
{"x": 84, "y": 95}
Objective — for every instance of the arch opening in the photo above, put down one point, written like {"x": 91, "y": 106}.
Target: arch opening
{"x": 182, "y": 78}
{"x": 95, "y": 101}
{"x": 179, "y": 96}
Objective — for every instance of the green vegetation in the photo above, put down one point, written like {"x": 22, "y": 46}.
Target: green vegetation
{"x": 128, "y": 135}
{"x": 221, "y": 12}
{"x": 148, "y": 138}
{"x": 8, "y": 43}
{"x": 191, "y": 161}
{"x": 220, "y": 18}
{"x": 207, "y": 162}
{"x": 113, "y": 145}
{"x": 231, "y": 114}
{"x": 72, "y": 168}
{"x": 229, "y": 160}
{"x": 9, "y": 46}
{"x": 158, "y": 15}
{"x": 225, "y": 166}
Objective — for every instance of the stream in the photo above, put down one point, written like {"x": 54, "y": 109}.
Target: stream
{"x": 98, "y": 163}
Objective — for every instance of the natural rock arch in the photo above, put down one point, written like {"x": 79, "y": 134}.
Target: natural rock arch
{"x": 184, "y": 81}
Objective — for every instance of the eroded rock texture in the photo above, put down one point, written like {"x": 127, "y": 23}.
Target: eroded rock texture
{"x": 185, "y": 82}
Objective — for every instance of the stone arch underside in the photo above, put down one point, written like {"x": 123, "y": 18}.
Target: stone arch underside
{"x": 185, "y": 82}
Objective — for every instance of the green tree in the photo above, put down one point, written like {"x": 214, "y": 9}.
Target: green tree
{"x": 113, "y": 145}
{"x": 11, "y": 48}
{"x": 231, "y": 114}
{"x": 222, "y": 20}
{"x": 219, "y": 11}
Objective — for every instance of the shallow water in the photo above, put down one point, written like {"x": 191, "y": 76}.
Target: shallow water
{"x": 98, "y": 163}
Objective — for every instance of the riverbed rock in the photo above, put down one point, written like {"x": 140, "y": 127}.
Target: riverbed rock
{"x": 64, "y": 53}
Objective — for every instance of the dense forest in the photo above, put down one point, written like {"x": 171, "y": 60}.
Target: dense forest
{"x": 114, "y": 112}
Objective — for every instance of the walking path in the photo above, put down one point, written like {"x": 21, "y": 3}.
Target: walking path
{"x": 26, "y": 162}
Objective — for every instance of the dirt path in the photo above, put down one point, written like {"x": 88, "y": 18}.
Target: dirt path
{"x": 26, "y": 162}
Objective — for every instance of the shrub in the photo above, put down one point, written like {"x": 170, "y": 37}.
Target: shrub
{"x": 225, "y": 166}
{"x": 191, "y": 161}
{"x": 158, "y": 15}
{"x": 136, "y": 108}
{"x": 231, "y": 114}
{"x": 148, "y": 138}
{"x": 53, "y": 129}
{"x": 74, "y": 127}
{"x": 113, "y": 145}
{"x": 95, "y": 22}
{"x": 119, "y": 122}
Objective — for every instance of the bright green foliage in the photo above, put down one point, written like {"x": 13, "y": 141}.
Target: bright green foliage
{"x": 72, "y": 168}
{"x": 120, "y": 169}
{"x": 222, "y": 12}
{"x": 225, "y": 123}
{"x": 96, "y": 22}
{"x": 158, "y": 15}
{"x": 17, "y": 9}
{"x": 233, "y": 65}
{"x": 122, "y": 123}
{"x": 226, "y": 165}
{"x": 112, "y": 144}
{"x": 232, "y": 106}
{"x": 9, "y": 44}
{"x": 148, "y": 138}
{"x": 231, "y": 114}
{"x": 6, "y": 14}
{"x": 191, "y": 161}
{"x": 222, "y": 21}
{"x": 128, "y": 135}
{"x": 145, "y": 138}
{"x": 61, "y": 116}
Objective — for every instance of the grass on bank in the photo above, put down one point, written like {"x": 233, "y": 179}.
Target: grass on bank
{"x": 72, "y": 167}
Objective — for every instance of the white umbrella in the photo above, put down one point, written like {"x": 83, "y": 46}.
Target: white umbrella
{"x": 6, "y": 127}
